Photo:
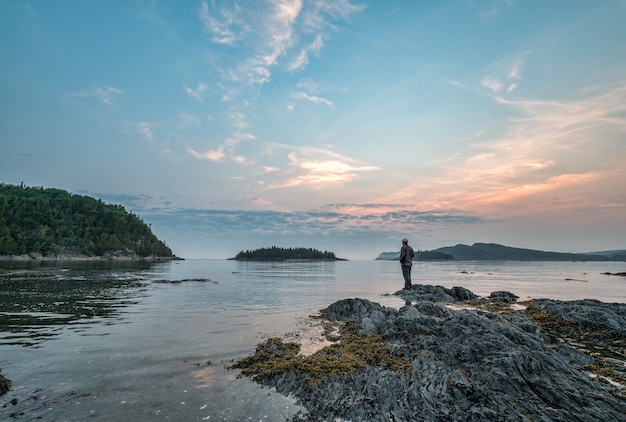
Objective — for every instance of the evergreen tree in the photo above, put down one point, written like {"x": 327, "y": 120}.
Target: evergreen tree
{"x": 275, "y": 253}
{"x": 49, "y": 221}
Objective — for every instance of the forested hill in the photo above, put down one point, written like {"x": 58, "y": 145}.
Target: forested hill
{"x": 53, "y": 222}
{"x": 275, "y": 253}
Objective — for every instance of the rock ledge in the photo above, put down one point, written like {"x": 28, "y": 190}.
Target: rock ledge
{"x": 552, "y": 361}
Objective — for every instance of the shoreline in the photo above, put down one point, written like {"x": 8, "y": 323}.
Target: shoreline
{"x": 79, "y": 257}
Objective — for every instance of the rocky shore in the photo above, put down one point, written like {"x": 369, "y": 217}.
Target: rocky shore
{"x": 449, "y": 355}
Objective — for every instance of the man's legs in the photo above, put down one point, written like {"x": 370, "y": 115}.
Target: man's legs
{"x": 406, "y": 273}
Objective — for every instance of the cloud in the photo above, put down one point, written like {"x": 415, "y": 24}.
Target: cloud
{"x": 319, "y": 168}
{"x": 303, "y": 58}
{"x": 145, "y": 128}
{"x": 211, "y": 155}
{"x": 219, "y": 28}
{"x": 264, "y": 35}
{"x": 315, "y": 16}
{"x": 239, "y": 120}
{"x": 103, "y": 93}
{"x": 308, "y": 223}
{"x": 308, "y": 91}
{"x": 280, "y": 26}
{"x": 312, "y": 98}
{"x": 197, "y": 93}
{"x": 138, "y": 203}
{"x": 546, "y": 148}
{"x": 493, "y": 84}
{"x": 226, "y": 150}
{"x": 505, "y": 73}
{"x": 328, "y": 227}
{"x": 261, "y": 38}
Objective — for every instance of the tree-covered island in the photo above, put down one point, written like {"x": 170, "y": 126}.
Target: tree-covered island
{"x": 39, "y": 222}
{"x": 275, "y": 253}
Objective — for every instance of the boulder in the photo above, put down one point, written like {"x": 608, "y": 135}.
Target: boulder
{"x": 427, "y": 292}
{"x": 503, "y": 296}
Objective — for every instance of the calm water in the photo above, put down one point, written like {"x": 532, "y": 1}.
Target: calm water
{"x": 150, "y": 342}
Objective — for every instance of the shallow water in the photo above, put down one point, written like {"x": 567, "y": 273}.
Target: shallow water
{"x": 114, "y": 341}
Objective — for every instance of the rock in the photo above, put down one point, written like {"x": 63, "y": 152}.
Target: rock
{"x": 464, "y": 365}
{"x": 503, "y": 296}
{"x": 5, "y": 385}
{"x": 592, "y": 314}
{"x": 461, "y": 293}
{"x": 436, "y": 293}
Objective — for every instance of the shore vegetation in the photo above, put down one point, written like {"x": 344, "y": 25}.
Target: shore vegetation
{"x": 53, "y": 222}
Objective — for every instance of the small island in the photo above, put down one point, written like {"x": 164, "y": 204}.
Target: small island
{"x": 276, "y": 253}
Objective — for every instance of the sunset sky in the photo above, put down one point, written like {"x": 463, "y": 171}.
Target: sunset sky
{"x": 334, "y": 124}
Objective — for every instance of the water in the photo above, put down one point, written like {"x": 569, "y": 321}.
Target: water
{"x": 112, "y": 341}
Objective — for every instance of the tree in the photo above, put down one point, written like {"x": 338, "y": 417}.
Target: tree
{"x": 276, "y": 253}
{"x": 46, "y": 221}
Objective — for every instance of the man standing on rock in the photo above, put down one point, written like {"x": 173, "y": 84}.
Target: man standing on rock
{"x": 406, "y": 261}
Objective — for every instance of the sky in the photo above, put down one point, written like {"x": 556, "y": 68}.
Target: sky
{"x": 339, "y": 125}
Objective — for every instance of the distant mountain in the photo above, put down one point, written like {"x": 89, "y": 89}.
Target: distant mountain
{"x": 616, "y": 255}
{"x": 495, "y": 252}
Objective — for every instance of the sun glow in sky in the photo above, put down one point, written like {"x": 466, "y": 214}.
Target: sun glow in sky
{"x": 335, "y": 124}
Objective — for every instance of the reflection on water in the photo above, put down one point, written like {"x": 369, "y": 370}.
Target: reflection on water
{"x": 318, "y": 271}
{"x": 38, "y": 301}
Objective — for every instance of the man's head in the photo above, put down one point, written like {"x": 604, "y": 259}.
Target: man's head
{"x": 405, "y": 241}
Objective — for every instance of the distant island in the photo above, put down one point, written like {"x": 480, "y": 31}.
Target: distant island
{"x": 275, "y": 253}
{"x": 496, "y": 252}
{"x": 46, "y": 223}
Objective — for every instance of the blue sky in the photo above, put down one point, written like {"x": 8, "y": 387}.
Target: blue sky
{"x": 334, "y": 124}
